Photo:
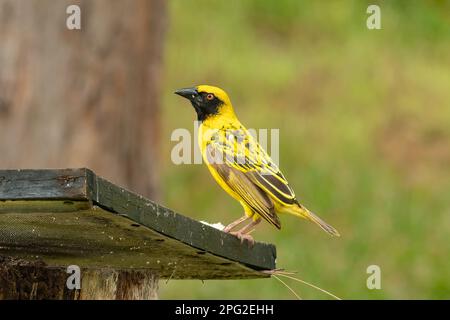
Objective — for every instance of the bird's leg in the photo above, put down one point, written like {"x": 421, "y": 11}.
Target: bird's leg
{"x": 229, "y": 227}
{"x": 250, "y": 227}
{"x": 244, "y": 233}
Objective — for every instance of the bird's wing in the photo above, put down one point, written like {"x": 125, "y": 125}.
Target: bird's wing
{"x": 250, "y": 193}
{"x": 236, "y": 151}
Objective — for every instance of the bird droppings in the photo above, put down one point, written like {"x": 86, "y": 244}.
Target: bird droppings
{"x": 218, "y": 225}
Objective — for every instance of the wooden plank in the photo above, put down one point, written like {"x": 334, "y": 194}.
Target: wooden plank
{"x": 182, "y": 228}
{"x": 71, "y": 221}
{"x": 67, "y": 184}
{"x": 95, "y": 238}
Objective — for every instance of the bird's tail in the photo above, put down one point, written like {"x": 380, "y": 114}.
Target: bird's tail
{"x": 300, "y": 211}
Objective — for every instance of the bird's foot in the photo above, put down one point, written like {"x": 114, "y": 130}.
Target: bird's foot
{"x": 244, "y": 236}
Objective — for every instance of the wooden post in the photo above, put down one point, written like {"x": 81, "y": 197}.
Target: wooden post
{"x": 28, "y": 280}
{"x": 122, "y": 242}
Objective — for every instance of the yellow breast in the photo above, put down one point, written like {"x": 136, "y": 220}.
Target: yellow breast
{"x": 206, "y": 131}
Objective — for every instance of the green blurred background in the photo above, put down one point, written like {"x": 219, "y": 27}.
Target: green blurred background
{"x": 364, "y": 118}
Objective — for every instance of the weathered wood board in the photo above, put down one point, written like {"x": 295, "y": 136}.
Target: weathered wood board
{"x": 71, "y": 216}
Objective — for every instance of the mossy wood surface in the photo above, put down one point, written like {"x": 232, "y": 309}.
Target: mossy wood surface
{"x": 71, "y": 216}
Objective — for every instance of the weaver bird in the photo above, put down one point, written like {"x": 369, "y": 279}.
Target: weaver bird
{"x": 241, "y": 166}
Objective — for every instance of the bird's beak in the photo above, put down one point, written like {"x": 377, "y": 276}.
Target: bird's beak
{"x": 188, "y": 93}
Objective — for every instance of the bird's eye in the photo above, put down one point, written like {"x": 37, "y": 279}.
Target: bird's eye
{"x": 210, "y": 96}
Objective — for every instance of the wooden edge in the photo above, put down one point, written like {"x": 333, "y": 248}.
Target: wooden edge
{"x": 68, "y": 184}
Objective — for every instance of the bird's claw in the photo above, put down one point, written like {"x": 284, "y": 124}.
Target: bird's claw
{"x": 243, "y": 237}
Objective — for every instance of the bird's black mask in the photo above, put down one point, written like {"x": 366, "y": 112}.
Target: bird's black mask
{"x": 204, "y": 103}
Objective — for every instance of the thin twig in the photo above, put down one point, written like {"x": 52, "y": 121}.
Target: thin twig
{"x": 278, "y": 271}
{"x": 173, "y": 272}
{"x": 309, "y": 284}
{"x": 285, "y": 284}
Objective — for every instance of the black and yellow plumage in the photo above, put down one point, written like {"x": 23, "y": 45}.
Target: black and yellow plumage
{"x": 240, "y": 165}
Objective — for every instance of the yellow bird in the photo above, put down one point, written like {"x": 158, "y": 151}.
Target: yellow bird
{"x": 241, "y": 166}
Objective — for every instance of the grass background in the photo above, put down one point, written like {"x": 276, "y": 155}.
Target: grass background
{"x": 364, "y": 118}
